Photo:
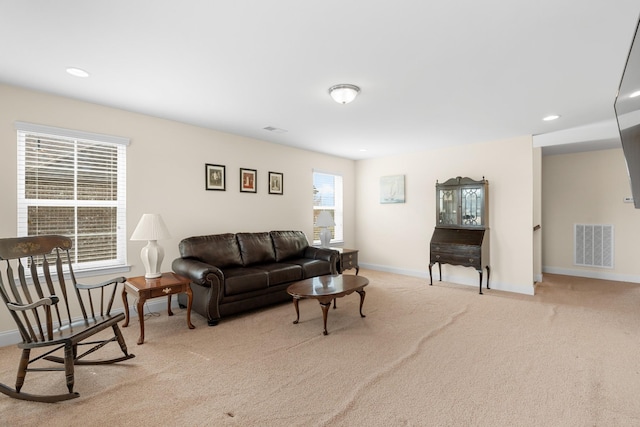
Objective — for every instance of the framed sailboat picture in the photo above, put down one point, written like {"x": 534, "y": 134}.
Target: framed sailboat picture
{"x": 392, "y": 189}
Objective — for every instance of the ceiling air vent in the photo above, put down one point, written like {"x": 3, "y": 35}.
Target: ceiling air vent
{"x": 274, "y": 129}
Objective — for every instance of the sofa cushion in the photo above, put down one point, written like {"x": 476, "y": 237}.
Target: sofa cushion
{"x": 281, "y": 273}
{"x": 242, "y": 279}
{"x": 255, "y": 248}
{"x": 220, "y": 250}
{"x": 289, "y": 244}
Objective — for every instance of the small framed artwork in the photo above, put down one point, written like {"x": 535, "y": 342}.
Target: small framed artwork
{"x": 248, "y": 180}
{"x": 275, "y": 183}
{"x": 215, "y": 178}
{"x": 392, "y": 189}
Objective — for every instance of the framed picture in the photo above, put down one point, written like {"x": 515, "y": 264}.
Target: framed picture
{"x": 275, "y": 183}
{"x": 392, "y": 189}
{"x": 215, "y": 177}
{"x": 248, "y": 180}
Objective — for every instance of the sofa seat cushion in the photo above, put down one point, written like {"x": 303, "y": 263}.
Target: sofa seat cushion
{"x": 281, "y": 273}
{"x": 242, "y": 279}
{"x": 256, "y": 248}
{"x": 312, "y": 267}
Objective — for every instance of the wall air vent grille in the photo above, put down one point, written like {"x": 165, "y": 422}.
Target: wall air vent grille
{"x": 593, "y": 245}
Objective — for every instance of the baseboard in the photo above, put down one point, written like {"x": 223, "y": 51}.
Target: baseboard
{"x": 8, "y": 338}
{"x": 462, "y": 280}
{"x": 605, "y": 275}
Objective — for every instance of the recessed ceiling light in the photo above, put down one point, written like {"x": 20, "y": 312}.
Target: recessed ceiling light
{"x": 551, "y": 117}
{"x": 78, "y": 72}
{"x": 634, "y": 94}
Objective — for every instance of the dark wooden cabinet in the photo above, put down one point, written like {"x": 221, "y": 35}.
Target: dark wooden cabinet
{"x": 461, "y": 236}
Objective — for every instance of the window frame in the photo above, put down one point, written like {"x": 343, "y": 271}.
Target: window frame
{"x": 337, "y": 235}
{"x": 23, "y": 129}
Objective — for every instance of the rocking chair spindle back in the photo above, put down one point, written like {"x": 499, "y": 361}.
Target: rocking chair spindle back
{"x": 53, "y": 312}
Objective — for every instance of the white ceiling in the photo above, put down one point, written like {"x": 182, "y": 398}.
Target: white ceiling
{"x": 432, "y": 73}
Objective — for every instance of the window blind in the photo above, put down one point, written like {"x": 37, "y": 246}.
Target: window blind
{"x": 75, "y": 187}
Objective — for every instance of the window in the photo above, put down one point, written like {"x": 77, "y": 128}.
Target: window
{"x": 74, "y": 183}
{"x": 327, "y": 196}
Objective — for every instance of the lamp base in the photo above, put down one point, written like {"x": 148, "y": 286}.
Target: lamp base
{"x": 152, "y": 275}
{"x": 152, "y": 256}
{"x": 325, "y": 237}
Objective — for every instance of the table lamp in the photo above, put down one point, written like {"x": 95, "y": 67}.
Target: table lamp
{"x": 325, "y": 220}
{"x": 151, "y": 228}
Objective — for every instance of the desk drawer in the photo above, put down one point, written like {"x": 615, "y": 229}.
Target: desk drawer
{"x": 465, "y": 260}
{"x": 452, "y": 249}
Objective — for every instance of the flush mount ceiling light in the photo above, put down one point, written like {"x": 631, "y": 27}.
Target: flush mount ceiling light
{"x": 344, "y": 93}
{"x": 78, "y": 72}
{"x": 551, "y": 117}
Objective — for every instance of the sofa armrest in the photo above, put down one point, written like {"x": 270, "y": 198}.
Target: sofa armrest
{"x": 320, "y": 253}
{"x": 324, "y": 254}
{"x": 198, "y": 272}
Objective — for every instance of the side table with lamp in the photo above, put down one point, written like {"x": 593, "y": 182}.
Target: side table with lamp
{"x": 154, "y": 283}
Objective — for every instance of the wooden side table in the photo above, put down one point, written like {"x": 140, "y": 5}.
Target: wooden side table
{"x": 144, "y": 289}
{"x": 348, "y": 259}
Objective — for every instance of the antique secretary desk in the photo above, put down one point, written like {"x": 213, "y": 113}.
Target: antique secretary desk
{"x": 461, "y": 236}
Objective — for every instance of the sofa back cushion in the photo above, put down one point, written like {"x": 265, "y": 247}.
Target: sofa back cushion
{"x": 255, "y": 248}
{"x": 289, "y": 244}
{"x": 220, "y": 250}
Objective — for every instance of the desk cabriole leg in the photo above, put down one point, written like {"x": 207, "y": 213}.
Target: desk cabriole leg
{"x": 430, "y": 274}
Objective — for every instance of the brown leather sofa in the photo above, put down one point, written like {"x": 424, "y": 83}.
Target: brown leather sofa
{"x": 233, "y": 273}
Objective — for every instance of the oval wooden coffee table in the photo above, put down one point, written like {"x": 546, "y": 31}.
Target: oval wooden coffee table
{"x": 326, "y": 289}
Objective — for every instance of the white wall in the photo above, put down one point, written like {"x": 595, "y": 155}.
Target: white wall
{"x": 166, "y": 174}
{"x": 396, "y": 236}
{"x": 165, "y": 166}
{"x": 588, "y": 188}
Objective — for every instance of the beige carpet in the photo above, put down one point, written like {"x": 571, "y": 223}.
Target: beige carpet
{"x": 436, "y": 356}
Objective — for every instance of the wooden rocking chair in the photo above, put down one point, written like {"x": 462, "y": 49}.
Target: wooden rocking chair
{"x": 47, "y": 315}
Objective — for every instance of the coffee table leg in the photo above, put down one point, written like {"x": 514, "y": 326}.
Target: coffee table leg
{"x": 362, "y": 294}
{"x": 295, "y": 304}
{"x": 325, "y": 309}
